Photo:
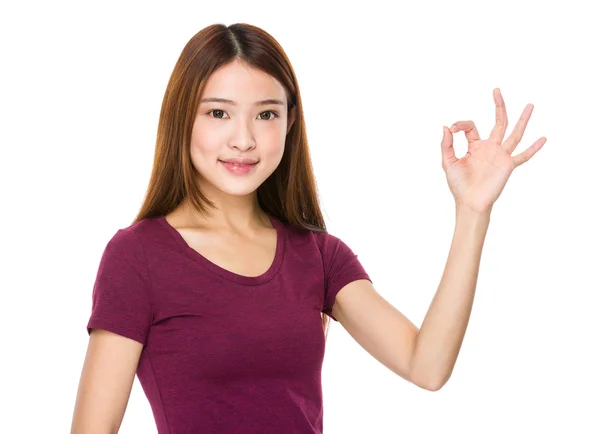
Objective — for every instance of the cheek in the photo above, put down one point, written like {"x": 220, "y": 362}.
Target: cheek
{"x": 272, "y": 152}
{"x": 203, "y": 145}
{"x": 274, "y": 143}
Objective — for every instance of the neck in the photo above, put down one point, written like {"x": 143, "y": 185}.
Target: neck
{"x": 240, "y": 214}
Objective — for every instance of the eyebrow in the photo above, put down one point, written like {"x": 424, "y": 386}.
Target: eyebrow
{"x": 228, "y": 101}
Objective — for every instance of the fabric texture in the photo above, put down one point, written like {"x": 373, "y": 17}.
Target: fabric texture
{"x": 223, "y": 352}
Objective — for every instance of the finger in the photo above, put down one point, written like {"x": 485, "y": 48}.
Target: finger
{"x": 529, "y": 152}
{"x": 468, "y": 127}
{"x": 499, "y": 129}
{"x": 448, "y": 155}
{"x": 515, "y": 137}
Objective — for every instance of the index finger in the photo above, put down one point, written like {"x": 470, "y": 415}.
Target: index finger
{"x": 499, "y": 129}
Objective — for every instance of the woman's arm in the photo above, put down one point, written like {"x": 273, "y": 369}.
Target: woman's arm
{"x": 106, "y": 381}
{"x": 440, "y": 337}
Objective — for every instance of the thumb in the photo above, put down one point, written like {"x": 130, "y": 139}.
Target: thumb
{"x": 448, "y": 155}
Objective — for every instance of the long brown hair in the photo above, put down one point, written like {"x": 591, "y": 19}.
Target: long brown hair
{"x": 290, "y": 193}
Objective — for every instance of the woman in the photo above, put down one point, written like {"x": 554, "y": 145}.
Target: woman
{"x": 218, "y": 294}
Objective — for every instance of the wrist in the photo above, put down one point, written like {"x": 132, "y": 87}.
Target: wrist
{"x": 464, "y": 212}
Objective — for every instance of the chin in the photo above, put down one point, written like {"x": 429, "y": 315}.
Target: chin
{"x": 243, "y": 188}
{"x": 238, "y": 191}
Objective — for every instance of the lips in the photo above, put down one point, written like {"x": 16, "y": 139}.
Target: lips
{"x": 240, "y": 161}
{"x": 238, "y": 169}
{"x": 236, "y": 164}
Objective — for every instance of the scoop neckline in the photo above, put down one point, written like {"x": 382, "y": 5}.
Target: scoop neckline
{"x": 224, "y": 273}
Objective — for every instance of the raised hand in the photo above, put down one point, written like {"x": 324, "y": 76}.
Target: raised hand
{"x": 477, "y": 179}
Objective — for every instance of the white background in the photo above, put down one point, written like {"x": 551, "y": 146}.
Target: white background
{"x": 81, "y": 90}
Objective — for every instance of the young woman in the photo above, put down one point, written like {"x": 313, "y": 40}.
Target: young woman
{"x": 218, "y": 294}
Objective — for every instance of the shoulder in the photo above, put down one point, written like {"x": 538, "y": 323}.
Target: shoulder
{"x": 140, "y": 228}
{"x": 129, "y": 240}
{"x": 328, "y": 243}
{"x": 321, "y": 238}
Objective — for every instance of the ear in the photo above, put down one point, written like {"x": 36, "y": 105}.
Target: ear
{"x": 291, "y": 119}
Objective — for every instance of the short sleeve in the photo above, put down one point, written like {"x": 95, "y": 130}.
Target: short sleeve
{"x": 341, "y": 266}
{"x": 121, "y": 298}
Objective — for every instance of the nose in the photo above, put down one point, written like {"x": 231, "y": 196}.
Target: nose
{"x": 243, "y": 136}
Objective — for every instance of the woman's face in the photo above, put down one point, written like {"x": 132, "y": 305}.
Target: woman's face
{"x": 244, "y": 127}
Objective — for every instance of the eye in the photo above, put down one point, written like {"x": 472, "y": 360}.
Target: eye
{"x": 275, "y": 115}
{"x": 218, "y": 114}
{"x": 216, "y": 111}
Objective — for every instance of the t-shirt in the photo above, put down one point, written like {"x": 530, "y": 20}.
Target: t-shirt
{"x": 223, "y": 352}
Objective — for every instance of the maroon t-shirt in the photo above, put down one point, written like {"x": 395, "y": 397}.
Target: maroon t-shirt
{"x": 224, "y": 353}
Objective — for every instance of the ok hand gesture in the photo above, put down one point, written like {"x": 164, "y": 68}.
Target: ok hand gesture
{"x": 477, "y": 179}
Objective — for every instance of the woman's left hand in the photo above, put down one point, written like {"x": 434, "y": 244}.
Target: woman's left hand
{"x": 477, "y": 179}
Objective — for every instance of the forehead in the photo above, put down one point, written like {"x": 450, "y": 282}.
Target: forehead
{"x": 242, "y": 83}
